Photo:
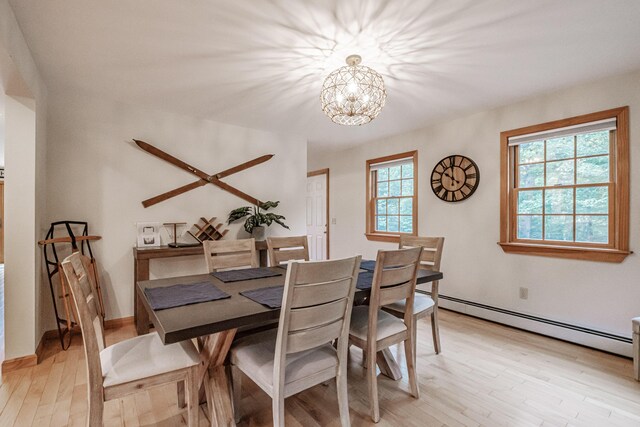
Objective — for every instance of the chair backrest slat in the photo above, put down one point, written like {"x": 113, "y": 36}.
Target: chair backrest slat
{"x": 76, "y": 271}
{"x": 316, "y": 305}
{"x": 223, "y": 254}
{"x": 319, "y": 315}
{"x": 321, "y": 293}
{"x": 283, "y": 249}
{"x": 313, "y": 337}
{"x": 431, "y": 253}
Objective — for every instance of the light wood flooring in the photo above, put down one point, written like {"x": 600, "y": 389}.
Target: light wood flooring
{"x": 487, "y": 374}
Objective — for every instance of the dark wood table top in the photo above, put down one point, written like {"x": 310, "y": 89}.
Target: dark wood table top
{"x": 191, "y": 321}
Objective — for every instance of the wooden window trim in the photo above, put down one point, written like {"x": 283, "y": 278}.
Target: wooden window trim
{"x": 619, "y": 249}
{"x": 384, "y": 236}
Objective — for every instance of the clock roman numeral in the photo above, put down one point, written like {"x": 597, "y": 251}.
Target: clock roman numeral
{"x": 469, "y": 166}
{"x": 472, "y": 176}
{"x": 436, "y": 181}
{"x": 467, "y": 185}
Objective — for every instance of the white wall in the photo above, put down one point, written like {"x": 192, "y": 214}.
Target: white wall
{"x": 25, "y": 202}
{"x": 97, "y": 174}
{"x": 591, "y": 294}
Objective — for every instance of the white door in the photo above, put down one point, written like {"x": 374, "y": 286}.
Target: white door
{"x": 317, "y": 216}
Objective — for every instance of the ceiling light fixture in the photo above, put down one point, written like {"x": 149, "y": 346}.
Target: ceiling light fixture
{"x": 354, "y": 94}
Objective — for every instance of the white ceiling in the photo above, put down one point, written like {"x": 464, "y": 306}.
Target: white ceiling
{"x": 261, "y": 63}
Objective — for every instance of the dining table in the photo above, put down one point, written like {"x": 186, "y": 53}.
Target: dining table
{"x": 215, "y": 323}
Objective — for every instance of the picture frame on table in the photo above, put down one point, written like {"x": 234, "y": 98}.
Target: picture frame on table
{"x": 148, "y": 234}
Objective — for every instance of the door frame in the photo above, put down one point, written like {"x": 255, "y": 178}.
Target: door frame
{"x": 324, "y": 172}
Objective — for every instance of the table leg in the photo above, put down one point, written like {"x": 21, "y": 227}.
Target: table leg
{"x": 213, "y": 352}
{"x": 140, "y": 315}
{"x": 388, "y": 365}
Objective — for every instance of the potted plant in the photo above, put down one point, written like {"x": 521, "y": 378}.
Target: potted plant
{"x": 256, "y": 218}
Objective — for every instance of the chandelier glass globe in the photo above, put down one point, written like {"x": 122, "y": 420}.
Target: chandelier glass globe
{"x": 353, "y": 95}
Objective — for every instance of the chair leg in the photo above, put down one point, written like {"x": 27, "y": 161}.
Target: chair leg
{"x": 343, "y": 395}
{"x": 236, "y": 378}
{"x": 181, "y": 401}
{"x": 372, "y": 380}
{"x": 96, "y": 410}
{"x": 277, "y": 404}
{"x": 435, "y": 330}
{"x": 193, "y": 395}
{"x": 409, "y": 352}
{"x": 414, "y": 332}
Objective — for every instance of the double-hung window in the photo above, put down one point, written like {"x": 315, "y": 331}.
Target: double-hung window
{"x": 565, "y": 188}
{"x": 392, "y": 196}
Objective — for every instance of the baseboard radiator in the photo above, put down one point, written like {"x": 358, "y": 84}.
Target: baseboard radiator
{"x": 593, "y": 338}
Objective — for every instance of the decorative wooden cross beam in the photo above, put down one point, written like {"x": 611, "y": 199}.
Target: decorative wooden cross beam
{"x": 214, "y": 179}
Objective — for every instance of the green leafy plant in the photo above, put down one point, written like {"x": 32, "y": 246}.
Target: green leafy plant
{"x": 256, "y": 217}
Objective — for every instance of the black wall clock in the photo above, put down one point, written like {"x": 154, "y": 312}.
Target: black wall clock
{"x": 455, "y": 178}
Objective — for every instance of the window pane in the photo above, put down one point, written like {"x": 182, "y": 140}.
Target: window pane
{"x": 593, "y": 229}
{"x": 560, "y": 173}
{"x": 560, "y": 148}
{"x": 381, "y": 223}
{"x": 383, "y": 189}
{"x": 592, "y": 200}
{"x": 392, "y": 223}
{"x": 406, "y": 206}
{"x": 392, "y": 206}
{"x": 407, "y": 187}
{"x": 530, "y": 202}
{"x": 558, "y": 201}
{"x": 381, "y": 208}
{"x": 593, "y": 170}
{"x": 394, "y": 188}
{"x": 406, "y": 224}
{"x": 531, "y": 175}
{"x": 530, "y": 227}
{"x": 590, "y": 144}
{"x": 383, "y": 174}
{"x": 558, "y": 227}
{"x": 407, "y": 170}
{"x": 394, "y": 172}
{"x": 531, "y": 152}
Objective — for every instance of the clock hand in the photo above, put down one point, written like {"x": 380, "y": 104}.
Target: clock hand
{"x": 457, "y": 182}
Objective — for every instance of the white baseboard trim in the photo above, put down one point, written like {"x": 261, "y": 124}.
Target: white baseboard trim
{"x": 572, "y": 333}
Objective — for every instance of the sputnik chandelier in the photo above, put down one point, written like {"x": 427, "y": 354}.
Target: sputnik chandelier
{"x": 354, "y": 94}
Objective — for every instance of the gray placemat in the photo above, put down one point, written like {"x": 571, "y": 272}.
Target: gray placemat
{"x": 270, "y": 297}
{"x": 245, "y": 274}
{"x": 179, "y": 295}
{"x": 365, "y": 279}
{"x": 368, "y": 265}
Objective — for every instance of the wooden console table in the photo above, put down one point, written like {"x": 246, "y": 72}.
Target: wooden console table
{"x": 141, "y": 258}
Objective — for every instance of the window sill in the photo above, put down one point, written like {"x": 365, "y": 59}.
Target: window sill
{"x": 380, "y": 237}
{"x": 582, "y": 253}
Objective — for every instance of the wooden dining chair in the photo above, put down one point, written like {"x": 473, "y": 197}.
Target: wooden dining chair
{"x": 373, "y": 329}
{"x": 226, "y": 254}
{"x": 283, "y": 249}
{"x": 316, "y": 309}
{"x": 424, "y": 304}
{"x": 128, "y": 366}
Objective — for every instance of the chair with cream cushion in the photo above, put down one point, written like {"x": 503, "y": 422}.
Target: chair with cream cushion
{"x": 373, "y": 330}
{"x": 131, "y": 365}
{"x": 316, "y": 309}
{"x": 283, "y": 249}
{"x": 424, "y": 304}
{"x": 224, "y": 254}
